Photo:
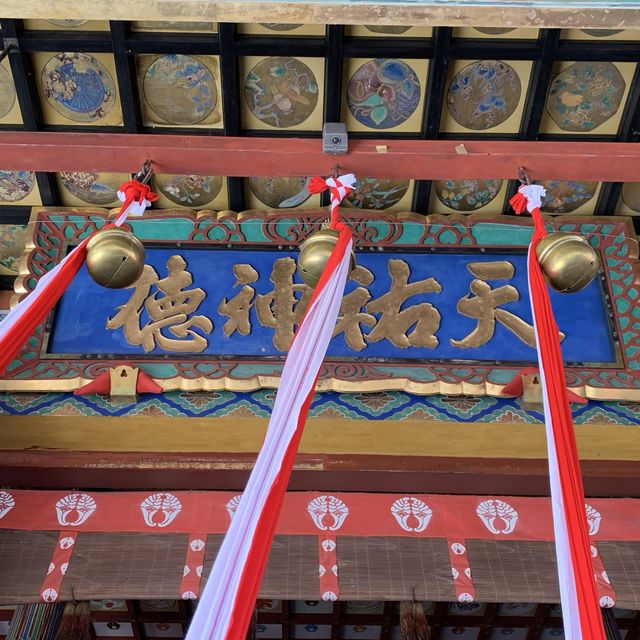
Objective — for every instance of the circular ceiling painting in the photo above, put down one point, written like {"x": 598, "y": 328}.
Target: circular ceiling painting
{"x": 281, "y": 91}
{"x": 180, "y": 89}
{"x": 484, "y": 94}
{"x": 631, "y": 195}
{"x": 192, "y": 191}
{"x": 94, "y": 188}
{"x": 601, "y": 33}
{"x": 279, "y": 26}
{"x": 564, "y": 196}
{"x": 376, "y": 193}
{"x": 7, "y": 92}
{"x": 383, "y": 93}
{"x": 585, "y": 95}
{"x": 78, "y": 87}
{"x": 68, "y": 23}
{"x": 16, "y": 185}
{"x": 466, "y": 195}
{"x": 395, "y": 30}
{"x": 493, "y": 31}
{"x": 280, "y": 193}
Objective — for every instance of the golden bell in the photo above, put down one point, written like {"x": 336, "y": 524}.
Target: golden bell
{"x": 115, "y": 258}
{"x": 569, "y": 263}
{"x": 314, "y": 255}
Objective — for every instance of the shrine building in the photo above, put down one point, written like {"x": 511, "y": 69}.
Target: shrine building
{"x": 161, "y": 165}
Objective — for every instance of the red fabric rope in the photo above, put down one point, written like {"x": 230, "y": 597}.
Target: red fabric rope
{"x": 134, "y": 192}
{"x": 256, "y": 562}
{"x": 550, "y": 354}
{"x": 45, "y": 300}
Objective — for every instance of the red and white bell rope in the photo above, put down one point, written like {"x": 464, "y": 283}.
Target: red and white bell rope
{"x": 135, "y": 196}
{"x": 30, "y": 312}
{"x": 228, "y": 599}
{"x": 578, "y": 591}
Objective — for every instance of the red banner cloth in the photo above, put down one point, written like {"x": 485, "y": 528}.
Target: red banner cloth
{"x": 578, "y": 591}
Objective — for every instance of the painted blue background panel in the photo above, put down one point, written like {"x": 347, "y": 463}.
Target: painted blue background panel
{"x": 81, "y": 314}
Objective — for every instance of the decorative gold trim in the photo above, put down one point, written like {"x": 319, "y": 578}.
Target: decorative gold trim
{"x": 324, "y": 385}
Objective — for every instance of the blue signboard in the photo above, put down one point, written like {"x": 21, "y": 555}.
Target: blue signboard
{"x": 397, "y": 306}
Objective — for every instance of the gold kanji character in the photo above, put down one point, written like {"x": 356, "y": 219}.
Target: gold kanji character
{"x": 168, "y": 308}
{"x": 351, "y": 316}
{"x": 394, "y": 323}
{"x": 483, "y": 304}
{"x": 238, "y": 307}
{"x": 281, "y": 309}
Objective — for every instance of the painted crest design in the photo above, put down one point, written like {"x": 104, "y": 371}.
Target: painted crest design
{"x": 458, "y": 548}
{"x": 160, "y": 509}
{"x": 197, "y": 545}
{"x": 328, "y": 512}
{"x": 593, "y": 519}
{"x": 75, "y": 509}
{"x": 412, "y": 514}
{"x": 232, "y": 505}
{"x": 498, "y": 516}
{"x": 66, "y": 542}
{"x": 606, "y": 602}
{"x": 7, "y": 502}
{"x": 328, "y": 545}
{"x": 50, "y": 595}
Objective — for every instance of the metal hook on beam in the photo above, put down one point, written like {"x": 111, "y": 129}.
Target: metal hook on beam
{"x": 145, "y": 173}
{"x": 523, "y": 176}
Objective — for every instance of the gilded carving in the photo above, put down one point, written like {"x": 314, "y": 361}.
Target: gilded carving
{"x": 168, "y": 308}
{"x": 394, "y": 324}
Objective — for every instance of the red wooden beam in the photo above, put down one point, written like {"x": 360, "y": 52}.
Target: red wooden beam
{"x": 415, "y": 159}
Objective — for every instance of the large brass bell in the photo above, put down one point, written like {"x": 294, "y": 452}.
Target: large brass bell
{"x": 314, "y": 255}
{"x": 115, "y": 258}
{"x": 569, "y": 263}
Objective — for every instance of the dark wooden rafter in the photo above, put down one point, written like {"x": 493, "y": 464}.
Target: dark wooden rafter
{"x": 231, "y": 105}
{"x": 29, "y": 101}
{"x": 627, "y": 132}
{"x": 433, "y": 105}
{"x": 127, "y": 78}
{"x": 333, "y": 89}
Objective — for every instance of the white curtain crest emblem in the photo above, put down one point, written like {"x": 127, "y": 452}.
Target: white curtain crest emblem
{"x": 593, "y": 519}
{"x": 498, "y": 517}
{"x": 328, "y": 545}
{"x": 232, "y": 506}
{"x": 197, "y": 545}
{"x": 67, "y": 542}
{"x": 328, "y": 512}
{"x": 7, "y": 502}
{"x": 75, "y": 509}
{"x": 412, "y": 514}
{"x": 160, "y": 509}
{"x": 50, "y": 595}
{"x": 458, "y": 548}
